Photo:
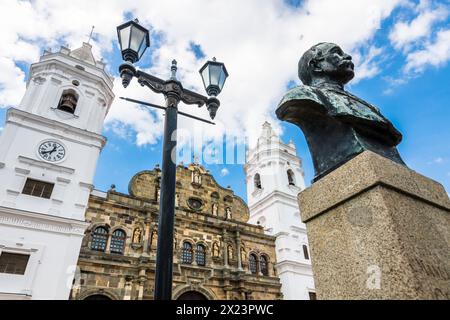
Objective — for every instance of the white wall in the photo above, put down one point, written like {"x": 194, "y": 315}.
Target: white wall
{"x": 53, "y": 245}
{"x": 275, "y": 207}
{"x": 51, "y": 230}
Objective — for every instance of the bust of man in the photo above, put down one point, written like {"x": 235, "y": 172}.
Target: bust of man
{"x": 337, "y": 125}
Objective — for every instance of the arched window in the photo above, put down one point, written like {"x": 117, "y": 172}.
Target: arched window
{"x": 186, "y": 253}
{"x": 291, "y": 177}
{"x": 99, "y": 239}
{"x": 200, "y": 256}
{"x": 252, "y": 264}
{"x": 118, "y": 241}
{"x": 263, "y": 265}
{"x": 257, "y": 181}
{"x": 68, "y": 101}
{"x": 215, "y": 195}
{"x": 305, "y": 252}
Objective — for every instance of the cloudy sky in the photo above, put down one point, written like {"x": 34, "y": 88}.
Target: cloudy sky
{"x": 401, "y": 49}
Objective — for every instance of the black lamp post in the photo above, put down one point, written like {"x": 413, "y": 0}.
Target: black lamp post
{"x": 134, "y": 40}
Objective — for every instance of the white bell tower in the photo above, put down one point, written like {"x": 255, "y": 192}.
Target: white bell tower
{"x": 48, "y": 155}
{"x": 274, "y": 178}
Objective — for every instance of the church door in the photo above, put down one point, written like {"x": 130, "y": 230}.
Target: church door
{"x": 192, "y": 295}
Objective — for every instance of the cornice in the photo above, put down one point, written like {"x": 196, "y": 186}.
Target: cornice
{"x": 273, "y": 197}
{"x": 52, "y": 58}
{"x": 46, "y": 165}
{"x": 37, "y": 221}
{"x": 294, "y": 266}
{"x": 17, "y": 116}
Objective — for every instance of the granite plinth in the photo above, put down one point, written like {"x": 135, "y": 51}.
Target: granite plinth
{"x": 378, "y": 230}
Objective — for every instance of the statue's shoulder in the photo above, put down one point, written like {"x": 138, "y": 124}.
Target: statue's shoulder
{"x": 301, "y": 93}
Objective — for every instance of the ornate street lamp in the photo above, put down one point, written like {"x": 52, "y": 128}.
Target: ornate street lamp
{"x": 134, "y": 40}
{"x": 214, "y": 75}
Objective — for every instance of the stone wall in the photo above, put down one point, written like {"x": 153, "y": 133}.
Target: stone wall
{"x": 228, "y": 240}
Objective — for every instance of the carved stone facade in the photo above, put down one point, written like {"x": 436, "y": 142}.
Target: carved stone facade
{"x": 212, "y": 244}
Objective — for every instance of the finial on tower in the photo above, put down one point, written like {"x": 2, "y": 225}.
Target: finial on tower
{"x": 90, "y": 35}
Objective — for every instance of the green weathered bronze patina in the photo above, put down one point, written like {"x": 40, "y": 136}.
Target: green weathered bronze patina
{"x": 337, "y": 125}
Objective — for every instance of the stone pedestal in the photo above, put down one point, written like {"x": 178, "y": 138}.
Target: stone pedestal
{"x": 378, "y": 230}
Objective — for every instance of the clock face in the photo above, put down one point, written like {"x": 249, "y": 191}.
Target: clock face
{"x": 52, "y": 151}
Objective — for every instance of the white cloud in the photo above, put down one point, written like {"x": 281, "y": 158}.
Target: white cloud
{"x": 436, "y": 53}
{"x": 437, "y": 160}
{"x": 259, "y": 41}
{"x": 12, "y": 83}
{"x": 224, "y": 172}
{"x": 368, "y": 66}
{"x": 128, "y": 120}
{"x": 421, "y": 39}
{"x": 405, "y": 33}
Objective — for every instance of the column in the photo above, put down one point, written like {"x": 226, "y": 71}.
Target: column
{"x": 224, "y": 248}
{"x": 142, "y": 279}
{"x": 147, "y": 236}
{"x": 238, "y": 250}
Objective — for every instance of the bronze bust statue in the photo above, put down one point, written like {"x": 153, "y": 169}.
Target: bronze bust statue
{"x": 337, "y": 125}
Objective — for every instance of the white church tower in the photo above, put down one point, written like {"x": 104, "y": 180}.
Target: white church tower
{"x": 274, "y": 178}
{"x": 48, "y": 154}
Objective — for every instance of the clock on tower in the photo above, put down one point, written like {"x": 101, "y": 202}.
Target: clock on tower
{"x": 52, "y": 151}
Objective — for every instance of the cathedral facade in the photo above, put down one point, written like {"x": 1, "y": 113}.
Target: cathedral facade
{"x": 217, "y": 254}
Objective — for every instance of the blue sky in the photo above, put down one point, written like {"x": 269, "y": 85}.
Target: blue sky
{"x": 401, "y": 56}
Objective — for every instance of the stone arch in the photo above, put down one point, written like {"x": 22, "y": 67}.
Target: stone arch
{"x": 120, "y": 227}
{"x": 203, "y": 243}
{"x": 94, "y": 226}
{"x": 104, "y": 292}
{"x": 191, "y": 241}
{"x": 179, "y": 290}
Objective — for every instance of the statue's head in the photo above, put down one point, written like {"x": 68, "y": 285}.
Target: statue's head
{"x": 326, "y": 61}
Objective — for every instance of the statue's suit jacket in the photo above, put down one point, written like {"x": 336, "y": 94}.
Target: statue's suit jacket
{"x": 338, "y": 126}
